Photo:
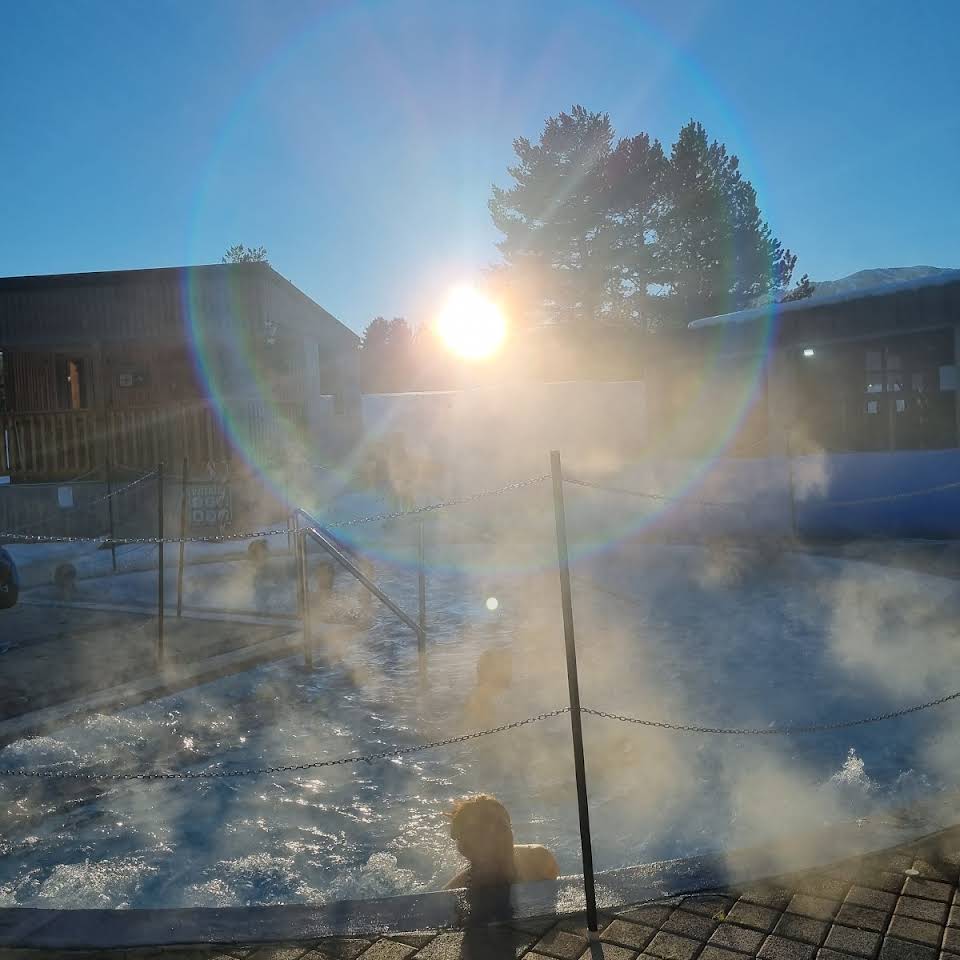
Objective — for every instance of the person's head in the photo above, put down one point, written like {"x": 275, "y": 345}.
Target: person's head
{"x": 481, "y": 827}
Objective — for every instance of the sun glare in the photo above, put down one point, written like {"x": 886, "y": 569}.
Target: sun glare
{"x": 471, "y": 325}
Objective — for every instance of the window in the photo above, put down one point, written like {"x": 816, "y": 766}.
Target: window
{"x": 71, "y": 383}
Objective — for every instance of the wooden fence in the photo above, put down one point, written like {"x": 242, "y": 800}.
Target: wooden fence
{"x": 70, "y": 444}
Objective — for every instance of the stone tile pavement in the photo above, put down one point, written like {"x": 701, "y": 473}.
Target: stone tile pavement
{"x": 901, "y": 904}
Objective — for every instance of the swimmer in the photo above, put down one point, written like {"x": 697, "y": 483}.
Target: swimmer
{"x": 494, "y": 676}
{"x": 481, "y": 827}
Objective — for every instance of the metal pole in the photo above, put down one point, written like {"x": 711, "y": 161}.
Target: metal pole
{"x": 113, "y": 546}
{"x": 421, "y": 601}
{"x": 183, "y": 537}
{"x": 304, "y": 574}
{"x": 160, "y": 600}
{"x": 793, "y": 493}
{"x": 574, "y": 688}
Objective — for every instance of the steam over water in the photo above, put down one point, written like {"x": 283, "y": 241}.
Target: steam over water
{"x": 680, "y": 634}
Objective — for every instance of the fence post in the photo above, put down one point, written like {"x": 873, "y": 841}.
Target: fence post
{"x": 793, "y": 492}
{"x": 305, "y": 593}
{"x": 574, "y": 688}
{"x": 421, "y": 602}
{"x": 113, "y": 545}
{"x": 183, "y": 537}
{"x": 160, "y": 598}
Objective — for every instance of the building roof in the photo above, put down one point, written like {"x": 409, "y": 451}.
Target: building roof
{"x": 106, "y": 278}
{"x": 947, "y": 278}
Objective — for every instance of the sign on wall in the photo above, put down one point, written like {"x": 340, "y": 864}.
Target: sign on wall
{"x": 209, "y": 504}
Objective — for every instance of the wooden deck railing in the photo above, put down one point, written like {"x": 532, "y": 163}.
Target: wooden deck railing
{"x": 60, "y": 445}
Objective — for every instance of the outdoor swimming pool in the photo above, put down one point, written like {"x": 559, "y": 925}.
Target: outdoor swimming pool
{"x": 673, "y": 633}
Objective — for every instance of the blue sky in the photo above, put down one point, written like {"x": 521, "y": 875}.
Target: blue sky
{"x": 358, "y": 142}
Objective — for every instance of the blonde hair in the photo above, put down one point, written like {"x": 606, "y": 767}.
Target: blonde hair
{"x": 478, "y": 812}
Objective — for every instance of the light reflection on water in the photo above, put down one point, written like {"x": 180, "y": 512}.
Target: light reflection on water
{"x": 757, "y": 647}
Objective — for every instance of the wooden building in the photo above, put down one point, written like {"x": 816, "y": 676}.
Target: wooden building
{"x": 137, "y": 366}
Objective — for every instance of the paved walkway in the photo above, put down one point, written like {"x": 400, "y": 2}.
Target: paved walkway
{"x": 901, "y": 904}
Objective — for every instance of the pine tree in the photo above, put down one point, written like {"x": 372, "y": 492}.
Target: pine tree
{"x": 804, "y": 288}
{"x": 715, "y": 252}
{"x": 238, "y": 253}
{"x": 557, "y": 238}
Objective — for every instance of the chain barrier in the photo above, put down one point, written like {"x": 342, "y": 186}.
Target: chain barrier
{"x": 887, "y": 498}
{"x": 46, "y": 518}
{"x": 278, "y": 531}
{"x": 774, "y": 731}
{"x": 882, "y": 498}
{"x": 652, "y": 496}
{"x": 286, "y": 768}
{"x": 91, "y": 776}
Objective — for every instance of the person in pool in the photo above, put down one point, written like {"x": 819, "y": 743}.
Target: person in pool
{"x": 481, "y": 827}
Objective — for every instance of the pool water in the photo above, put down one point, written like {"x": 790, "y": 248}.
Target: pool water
{"x": 681, "y": 634}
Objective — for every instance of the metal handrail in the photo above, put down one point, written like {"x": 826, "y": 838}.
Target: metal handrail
{"x": 320, "y": 535}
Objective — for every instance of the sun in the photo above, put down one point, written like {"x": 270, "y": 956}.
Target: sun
{"x": 471, "y": 325}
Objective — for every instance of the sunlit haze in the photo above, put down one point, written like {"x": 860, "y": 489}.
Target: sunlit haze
{"x": 472, "y": 326}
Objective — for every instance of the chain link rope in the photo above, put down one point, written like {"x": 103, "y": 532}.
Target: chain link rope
{"x": 254, "y": 534}
{"x": 651, "y": 496}
{"x": 774, "y": 731}
{"x": 92, "y": 776}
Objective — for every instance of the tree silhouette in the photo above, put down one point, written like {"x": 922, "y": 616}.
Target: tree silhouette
{"x": 238, "y": 253}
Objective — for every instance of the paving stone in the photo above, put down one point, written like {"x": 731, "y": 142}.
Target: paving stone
{"x": 577, "y": 922}
{"x": 690, "y": 924}
{"x": 668, "y": 946}
{"x": 863, "y": 943}
{"x": 880, "y": 880}
{"x": 387, "y": 950}
{"x": 816, "y": 907}
{"x": 205, "y": 952}
{"x": 894, "y": 949}
{"x": 931, "y": 889}
{"x": 935, "y": 871}
{"x": 933, "y": 911}
{"x": 652, "y": 914}
{"x": 628, "y": 934}
{"x": 893, "y": 862}
{"x": 604, "y": 951}
{"x": 818, "y": 885}
{"x": 753, "y": 915}
{"x": 863, "y": 918}
{"x": 562, "y": 943}
{"x": 906, "y": 928}
{"x": 286, "y": 951}
{"x": 825, "y": 953}
{"x": 334, "y": 948}
{"x": 481, "y": 943}
{"x": 951, "y": 940}
{"x": 767, "y": 895}
{"x": 718, "y": 953}
{"x": 847, "y": 870}
{"x": 954, "y": 918}
{"x": 802, "y": 928}
{"x": 417, "y": 940}
{"x": 780, "y": 948}
{"x": 875, "y": 899}
{"x": 714, "y": 906}
{"x": 731, "y": 937}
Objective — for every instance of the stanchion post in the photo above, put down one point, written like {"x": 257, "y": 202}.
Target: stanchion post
{"x": 160, "y": 598}
{"x": 113, "y": 545}
{"x": 573, "y": 684}
{"x": 305, "y": 588}
{"x": 183, "y": 537}
{"x": 421, "y": 601}
{"x": 793, "y": 490}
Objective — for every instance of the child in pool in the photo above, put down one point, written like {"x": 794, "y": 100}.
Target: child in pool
{"x": 481, "y": 827}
